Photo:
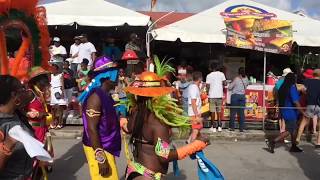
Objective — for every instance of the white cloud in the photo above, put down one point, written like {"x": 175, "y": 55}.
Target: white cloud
{"x": 190, "y": 5}
{"x": 280, "y": 4}
{"x": 311, "y": 7}
{"x": 169, "y": 5}
{"x": 310, "y": 4}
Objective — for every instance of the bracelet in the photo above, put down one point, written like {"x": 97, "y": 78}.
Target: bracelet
{"x": 100, "y": 156}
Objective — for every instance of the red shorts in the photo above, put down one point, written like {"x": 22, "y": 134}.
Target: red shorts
{"x": 196, "y": 125}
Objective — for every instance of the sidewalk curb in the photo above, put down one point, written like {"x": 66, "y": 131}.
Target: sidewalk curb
{"x": 66, "y": 134}
{"x": 225, "y": 135}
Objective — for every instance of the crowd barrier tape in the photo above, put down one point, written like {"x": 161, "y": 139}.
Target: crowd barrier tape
{"x": 260, "y": 107}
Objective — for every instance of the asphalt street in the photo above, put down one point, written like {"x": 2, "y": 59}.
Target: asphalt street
{"x": 236, "y": 161}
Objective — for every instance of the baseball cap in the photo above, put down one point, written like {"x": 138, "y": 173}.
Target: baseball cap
{"x": 286, "y": 71}
{"x": 56, "y": 39}
{"x": 308, "y": 73}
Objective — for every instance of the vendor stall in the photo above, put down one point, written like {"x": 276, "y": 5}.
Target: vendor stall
{"x": 209, "y": 27}
{"x": 254, "y": 102}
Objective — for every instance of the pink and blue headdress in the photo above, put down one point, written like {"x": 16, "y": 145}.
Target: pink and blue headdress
{"x": 104, "y": 68}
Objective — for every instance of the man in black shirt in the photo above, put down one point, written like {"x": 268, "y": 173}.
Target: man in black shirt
{"x": 69, "y": 85}
{"x": 312, "y": 90}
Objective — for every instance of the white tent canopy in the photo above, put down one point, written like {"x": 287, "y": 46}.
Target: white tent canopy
{"x": 91, "y": 13}
{"x": 209, "y": 27}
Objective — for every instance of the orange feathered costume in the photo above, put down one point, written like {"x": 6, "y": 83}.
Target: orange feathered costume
{"x": 30, "y": 9}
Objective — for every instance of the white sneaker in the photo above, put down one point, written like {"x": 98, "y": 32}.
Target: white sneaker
{"x": 219, "y": 129}
{"x": 213, "y": 130}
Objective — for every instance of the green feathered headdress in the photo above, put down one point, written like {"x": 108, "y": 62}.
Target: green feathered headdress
{"x": 165, "y": 108}
{"x": 163, "y": 68}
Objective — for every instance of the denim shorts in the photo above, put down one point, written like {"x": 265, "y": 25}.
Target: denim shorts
{"x": 313, "y": 110}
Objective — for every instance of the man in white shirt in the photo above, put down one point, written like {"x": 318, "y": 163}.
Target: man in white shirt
{"x": 75, "y": 61}
{"x": 194, "y": 105}
{"x": 215, "y": 82}
{"x": 87, "y": 50}
{"x": 57, "y": 52}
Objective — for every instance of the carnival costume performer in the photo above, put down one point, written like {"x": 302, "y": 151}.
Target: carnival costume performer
{"x": 101, "y": 138}
{"x": 153, "y": 113}
{"x": 30, "y": 20}
{"x": 37, "y": 110}
{"x": 38, "y": 114}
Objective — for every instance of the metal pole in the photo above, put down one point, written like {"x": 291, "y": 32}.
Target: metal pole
{"x": 264, "y": 89}
{"x": 148, "y": 50}
{"x": 148, "y": 40}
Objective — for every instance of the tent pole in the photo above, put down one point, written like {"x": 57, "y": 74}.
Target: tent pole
{"x": 148, "y": 50}
{"x": 148, "y": 34}
{"x": 264, "y": 89}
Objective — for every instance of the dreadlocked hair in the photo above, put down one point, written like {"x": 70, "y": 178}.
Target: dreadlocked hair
{"x": 284, "y": 90}
{"x": 142, "y": 114}
{"x": 164, "y": 108}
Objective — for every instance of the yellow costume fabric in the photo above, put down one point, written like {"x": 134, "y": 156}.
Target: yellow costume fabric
{"x": 94, "y": 168}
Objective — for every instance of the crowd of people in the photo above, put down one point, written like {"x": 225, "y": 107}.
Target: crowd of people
{"x": 298, "y": 104}
{"x": 72, "y": 73}
{"x": 141, "y": 105}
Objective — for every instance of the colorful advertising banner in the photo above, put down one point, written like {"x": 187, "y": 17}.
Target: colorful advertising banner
{"x": 253, "y": 28}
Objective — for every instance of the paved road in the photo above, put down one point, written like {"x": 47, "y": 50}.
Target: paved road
{"x": 236, "y": 160}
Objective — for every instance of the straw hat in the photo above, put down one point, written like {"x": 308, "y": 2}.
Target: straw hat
{"x": 37, "y": 71}
{"x": 149, "y": 85}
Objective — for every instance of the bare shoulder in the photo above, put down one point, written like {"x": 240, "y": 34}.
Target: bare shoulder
{"x": 94, "y": 99}
{"x": 157, "y": 125}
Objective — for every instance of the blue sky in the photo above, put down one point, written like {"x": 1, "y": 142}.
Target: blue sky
{"x": 309, "y": 7}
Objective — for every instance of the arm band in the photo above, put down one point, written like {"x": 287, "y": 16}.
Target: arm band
{"x": 191, "y": 148}
{"x": 93, "y": 113}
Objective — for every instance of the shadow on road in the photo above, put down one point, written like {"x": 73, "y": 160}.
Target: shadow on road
{"x": 169, "y": 176}
{"x": 309, "y": 161}
{"x": 75, "y": 159}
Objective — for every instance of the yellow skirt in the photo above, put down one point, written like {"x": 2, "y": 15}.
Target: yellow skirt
{"x": 94, "y": 168}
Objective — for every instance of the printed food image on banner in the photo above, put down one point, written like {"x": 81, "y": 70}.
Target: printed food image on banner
{"x": 253, "y": 28}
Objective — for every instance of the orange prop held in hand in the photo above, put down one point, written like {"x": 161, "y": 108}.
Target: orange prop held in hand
{"x": 3, "y": 54}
